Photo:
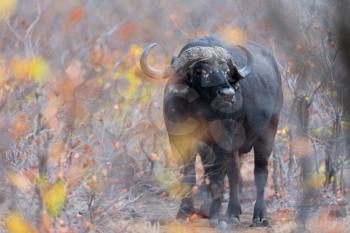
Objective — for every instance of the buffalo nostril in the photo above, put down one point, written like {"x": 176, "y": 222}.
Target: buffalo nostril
{"x": 226, "y": 92}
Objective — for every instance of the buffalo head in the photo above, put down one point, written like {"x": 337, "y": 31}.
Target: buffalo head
{"x": 210, "y": 71}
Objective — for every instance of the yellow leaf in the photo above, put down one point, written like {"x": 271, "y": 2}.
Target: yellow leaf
{"x": 285, "y": 130}
{"x": 135, "y": 50}
{"x": 34, "y": 68}
{"x": 55, "y": 198}
{"x": 232, "y": 35}
{"x": 15, "y": 223}
{"x": 6, "y": 8}
{"x": 322, "y": 168}
{"x": 39, "y": 69}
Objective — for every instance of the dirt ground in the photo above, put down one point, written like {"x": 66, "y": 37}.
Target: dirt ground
{"x": 160, "y": 218}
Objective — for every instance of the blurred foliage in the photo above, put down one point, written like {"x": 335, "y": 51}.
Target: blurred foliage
{"x": 6, "y": 8}
{"x": 232, "y": 36}
{"x": 34, "y": 68}
{"x": 15, "y": 223}
{"x": 82, "y": 140}
{"x": 54, "y": 197}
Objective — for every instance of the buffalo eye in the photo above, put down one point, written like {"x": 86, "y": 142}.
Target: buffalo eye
{"x": 200, "y": 70}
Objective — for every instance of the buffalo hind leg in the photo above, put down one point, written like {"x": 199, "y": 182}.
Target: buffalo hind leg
{"x": 233, "y": 174}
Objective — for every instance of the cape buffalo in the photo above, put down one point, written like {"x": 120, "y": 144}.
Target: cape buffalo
{"x": 221, "y": 101}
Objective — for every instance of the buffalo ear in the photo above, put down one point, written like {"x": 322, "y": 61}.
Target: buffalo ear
{"x": 234, "y": 74}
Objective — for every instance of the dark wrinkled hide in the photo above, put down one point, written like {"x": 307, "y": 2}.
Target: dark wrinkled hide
{"x": 222, "y": 121}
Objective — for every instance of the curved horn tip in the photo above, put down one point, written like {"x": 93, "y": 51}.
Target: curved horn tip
{"x": 151, "y": 71}
{"x": 151, "y": 46}
{"x": 246, "y": 70}
{"x": 147, "y": 50}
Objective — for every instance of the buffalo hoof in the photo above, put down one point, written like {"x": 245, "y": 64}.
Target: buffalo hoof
{"x": 260, "y": 222}
{"x": 204, "y": 210}
{"x": 233, "y": 220}
{"x": 218, "y": 223}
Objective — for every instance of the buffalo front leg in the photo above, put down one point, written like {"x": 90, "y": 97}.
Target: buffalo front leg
{"x": 189, "y": 180}
{"x": 262, "y": 151}
{"x": 260, "y": 179}
{"x": 183, "y": 155}
{"x": 215, "y": 172}
{"x": 233, "y": 174}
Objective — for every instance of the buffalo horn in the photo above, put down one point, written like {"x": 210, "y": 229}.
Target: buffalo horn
{"x": 246, "y": 70}
{"x": 149, "y": 70}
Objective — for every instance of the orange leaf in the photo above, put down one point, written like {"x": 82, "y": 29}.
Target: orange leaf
{"x": 76, "y": 15}
{"x": 153, "y": 157}
{"x": 19, "y": 127}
